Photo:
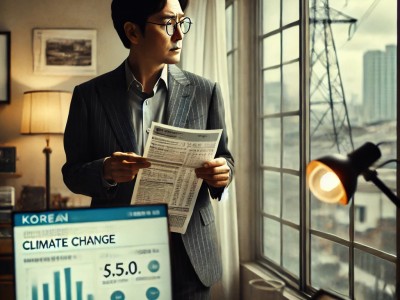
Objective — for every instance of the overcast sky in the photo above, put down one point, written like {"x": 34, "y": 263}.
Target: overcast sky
{"x": 375, "y": 29}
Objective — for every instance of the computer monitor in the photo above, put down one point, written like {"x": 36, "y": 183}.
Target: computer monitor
{"x": 93, "y": 253}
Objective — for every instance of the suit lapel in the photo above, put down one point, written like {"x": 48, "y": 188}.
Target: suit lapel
{"x": 114, "y": 96}
{"x": 180, "y": 96}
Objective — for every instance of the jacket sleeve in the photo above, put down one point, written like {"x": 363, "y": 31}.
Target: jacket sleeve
{"x": 216, "y": 119}
{"x": 83, "y": 171}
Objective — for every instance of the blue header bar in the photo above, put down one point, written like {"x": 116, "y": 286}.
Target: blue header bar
{"x": 84, "y": 215}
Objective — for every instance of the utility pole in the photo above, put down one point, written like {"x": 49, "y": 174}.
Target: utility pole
{"x": 329, "y": 121}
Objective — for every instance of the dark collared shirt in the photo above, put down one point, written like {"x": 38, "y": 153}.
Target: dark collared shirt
{"x": 146, "y": 108}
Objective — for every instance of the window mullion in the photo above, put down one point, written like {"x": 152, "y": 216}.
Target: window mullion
{"x": 305, "y": 237}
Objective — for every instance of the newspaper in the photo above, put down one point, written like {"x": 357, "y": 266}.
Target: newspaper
{"x": 174, "y": 153}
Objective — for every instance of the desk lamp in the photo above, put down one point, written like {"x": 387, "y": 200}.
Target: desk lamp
{"x": 333, "y": 179}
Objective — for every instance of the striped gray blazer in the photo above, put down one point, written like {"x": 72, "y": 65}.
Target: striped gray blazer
{"x": 100, "y": 123}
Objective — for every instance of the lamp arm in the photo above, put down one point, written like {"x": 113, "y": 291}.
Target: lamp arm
{"x": 372, "y": 175}
{"x": 387, "y": 162}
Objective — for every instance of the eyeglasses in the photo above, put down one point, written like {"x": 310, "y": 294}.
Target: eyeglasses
{"x": 171, "y": 25}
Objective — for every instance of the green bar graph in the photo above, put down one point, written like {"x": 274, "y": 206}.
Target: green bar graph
{"x": 68, "y": 292}
{"x": 46, "y": 295}
{"x": 79, "y": 290}
{"x": 57, "y": 284}
{"x": 35, "y": 295}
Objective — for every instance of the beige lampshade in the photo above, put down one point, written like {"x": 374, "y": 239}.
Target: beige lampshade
{"x": 45, "y": 112}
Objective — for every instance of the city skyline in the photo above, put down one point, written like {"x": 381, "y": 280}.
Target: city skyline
{"x": 379, "y": 85}
{"x": 375, "y": 29}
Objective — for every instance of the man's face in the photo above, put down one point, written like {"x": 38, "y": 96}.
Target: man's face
{"x": 156, "y": 45}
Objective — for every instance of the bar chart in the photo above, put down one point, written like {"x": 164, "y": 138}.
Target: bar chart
{"x": 60, "y": 286}
{"x": 93, "y": 254}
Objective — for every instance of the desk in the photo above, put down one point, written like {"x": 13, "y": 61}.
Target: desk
{"x": 6, "y": 247}
{"x": 4, "y": 175}
{"x": 6, "y": 267}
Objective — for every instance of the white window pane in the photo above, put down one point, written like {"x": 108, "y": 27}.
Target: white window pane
{"x": 375, "y": 278}
{"x": 291, "y": 91}
{"x": 271, "y": 15}
{"x": 329, "y": 265}
{"x": 230, "y": 74}
{"x": 330, "y": 218}
{"x": 272, "y": 142}
{"x": 272, "y": 91}
{"x": 290, "y": 44}
{"x": 272, "y": 238}
{"x": 375, "y": 216}
{"x": 272, "y": 50}
{"x": 291, "y": 198}
{"x": 291, "y": 249}
{"x": 290, "y": 11}
{"x": 229, "y": 27}
{"x": 291, "y": 143}
{"x": 272, "y": 193}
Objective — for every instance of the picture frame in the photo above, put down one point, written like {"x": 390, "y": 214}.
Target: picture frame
{"x": 65, "y": 52}
{"x": 5, "y": 66}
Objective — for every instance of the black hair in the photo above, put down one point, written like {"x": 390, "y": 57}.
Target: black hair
{"x": 137, "y": 12}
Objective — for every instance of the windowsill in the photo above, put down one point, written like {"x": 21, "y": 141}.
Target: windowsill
{"x": 251, "y": 270}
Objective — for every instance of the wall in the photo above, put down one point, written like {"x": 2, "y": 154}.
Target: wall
{"x": 20, "y": 17}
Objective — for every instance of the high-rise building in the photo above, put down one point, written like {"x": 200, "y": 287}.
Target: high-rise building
{"x": 391, "y": 80}
{"x": 379, "y": 85}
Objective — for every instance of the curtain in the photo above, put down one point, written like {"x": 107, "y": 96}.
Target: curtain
{"x": 204, "y": 53}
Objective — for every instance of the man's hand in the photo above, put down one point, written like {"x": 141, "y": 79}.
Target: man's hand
{"x": 123, "y": 166}
{"x": 214, "y": 172}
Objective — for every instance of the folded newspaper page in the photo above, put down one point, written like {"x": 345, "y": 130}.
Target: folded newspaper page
{"x": 174, "y": 153}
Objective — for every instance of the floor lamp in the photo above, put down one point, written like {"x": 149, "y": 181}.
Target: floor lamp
{"x": 45, "y": 112}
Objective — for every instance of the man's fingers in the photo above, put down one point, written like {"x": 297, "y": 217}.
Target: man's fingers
{"x": 123, "y": 166}
{"x": 128, "y": 157}
{"x": 216, "y": 177}
{"x": 210, "y": 171}
{"x": 216, "y": 162}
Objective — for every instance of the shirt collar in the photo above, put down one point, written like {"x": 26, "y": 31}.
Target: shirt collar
{"x": 132, "y": 82}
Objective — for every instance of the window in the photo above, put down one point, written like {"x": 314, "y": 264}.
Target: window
{"x": 328, "y": 94}
{"x": 360, "y": 213}
{"x": 363, "y": 105}
{"x": 232, "y": 50}
{"x": 279, "y": 123}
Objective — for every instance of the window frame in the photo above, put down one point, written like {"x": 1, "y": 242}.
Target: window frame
{"x": 233, "y": 88}
{"x": 303, "y": 283}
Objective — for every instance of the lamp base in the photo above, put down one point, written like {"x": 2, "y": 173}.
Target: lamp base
{"x": 47, "y": 151}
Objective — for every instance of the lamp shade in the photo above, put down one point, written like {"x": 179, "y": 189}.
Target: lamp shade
{"x": 45, "y": 112}
{"x": 333, "y": 179}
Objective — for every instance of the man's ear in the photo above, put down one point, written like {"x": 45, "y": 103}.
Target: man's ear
{"x": 132, "y": 32}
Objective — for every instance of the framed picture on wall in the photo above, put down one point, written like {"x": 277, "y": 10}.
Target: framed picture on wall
{"x": 64, "y": 52}
{"x": 5, "y": 63}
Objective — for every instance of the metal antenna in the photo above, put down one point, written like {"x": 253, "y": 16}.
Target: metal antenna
{"x": 328, "y": 110}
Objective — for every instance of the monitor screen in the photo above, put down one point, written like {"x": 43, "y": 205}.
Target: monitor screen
{"x": 92, "y": 253}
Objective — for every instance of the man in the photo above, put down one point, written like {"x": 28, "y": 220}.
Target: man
{"x": 109, "y": 119}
